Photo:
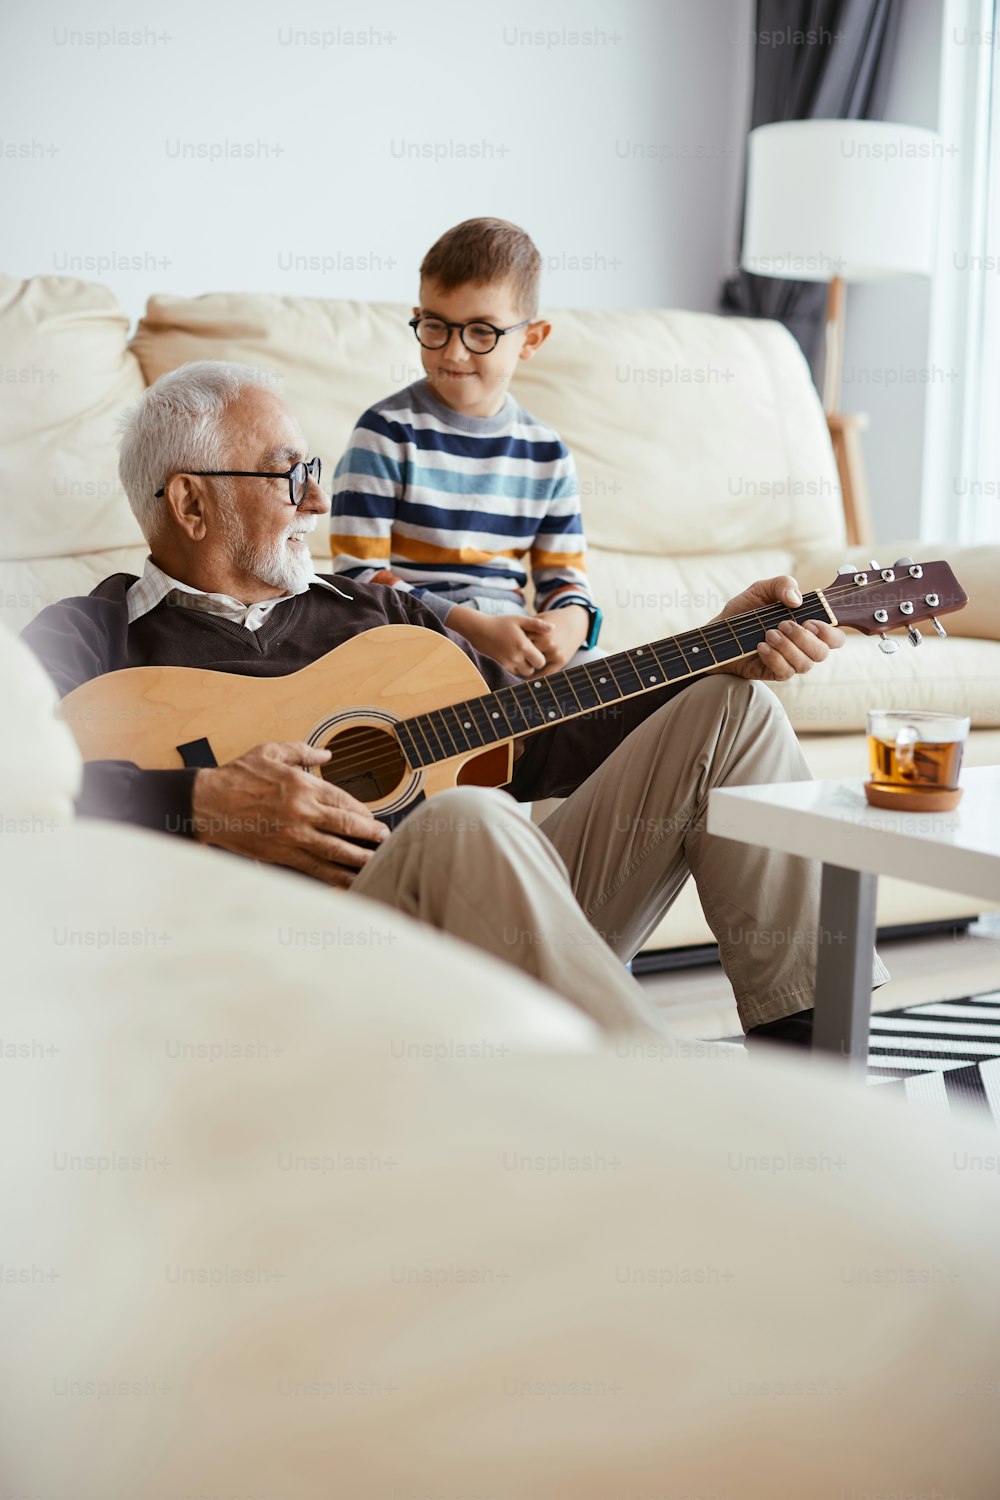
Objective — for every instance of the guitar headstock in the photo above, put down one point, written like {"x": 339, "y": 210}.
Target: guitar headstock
{"x": 876, "y": 600}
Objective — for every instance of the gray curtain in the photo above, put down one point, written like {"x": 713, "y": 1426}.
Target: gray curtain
{"x": 840, "y": 72}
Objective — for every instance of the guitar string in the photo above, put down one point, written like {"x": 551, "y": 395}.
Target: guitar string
{"x": 362, "y": 765}
{"x": 779, "y": 611}
{"x": 383, "y": 755}
{"x": 720, "y": 632}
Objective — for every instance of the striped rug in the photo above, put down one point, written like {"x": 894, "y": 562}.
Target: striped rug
{"x": 940, "y": 1056}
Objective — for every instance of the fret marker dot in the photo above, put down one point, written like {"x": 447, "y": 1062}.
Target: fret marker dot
{"x": 495, "y": 716}
{"x": 552, "y": 713}
{"x": 466, "y": 724}
{"x": 639, "y": 652}
{"x": 694, "y": 649}
{"x": 602, "y": 679}
{"x": 652, "y": 677}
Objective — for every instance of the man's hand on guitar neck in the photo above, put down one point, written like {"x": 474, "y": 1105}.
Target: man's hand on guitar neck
{"x": 786, "y": 652}
{"x": 267, "y": 806}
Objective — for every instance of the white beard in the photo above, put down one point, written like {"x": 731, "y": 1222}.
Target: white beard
{"x": 280, "y": 565}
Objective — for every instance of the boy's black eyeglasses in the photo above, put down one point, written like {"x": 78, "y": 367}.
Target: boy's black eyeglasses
{"x": 478, "y": 338}
{"x": 298, "y": 477}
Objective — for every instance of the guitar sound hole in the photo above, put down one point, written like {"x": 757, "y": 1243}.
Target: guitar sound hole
{"x": 365, "y": 761}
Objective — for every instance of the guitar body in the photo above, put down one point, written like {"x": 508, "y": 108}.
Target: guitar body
{"x": 347, "y": 701}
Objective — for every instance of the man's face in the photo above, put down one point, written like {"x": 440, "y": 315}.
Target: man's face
{"x": 267, "y": 538}
{"x": 475, "y": 385}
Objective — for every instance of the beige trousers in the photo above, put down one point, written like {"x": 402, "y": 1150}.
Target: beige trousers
{"x": 570, "y": 901}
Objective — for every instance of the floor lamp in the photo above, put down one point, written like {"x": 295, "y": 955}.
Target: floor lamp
{"x": 840, "y": 201}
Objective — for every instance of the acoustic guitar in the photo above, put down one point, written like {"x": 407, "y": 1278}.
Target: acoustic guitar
{"x": 406, "y": 714}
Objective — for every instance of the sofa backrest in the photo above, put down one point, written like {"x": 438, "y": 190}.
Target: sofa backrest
{"x": 700, "y": 443}
{"x": 691, "y": 433}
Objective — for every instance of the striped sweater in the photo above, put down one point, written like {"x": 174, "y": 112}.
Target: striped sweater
{"x": 439, "y": 504}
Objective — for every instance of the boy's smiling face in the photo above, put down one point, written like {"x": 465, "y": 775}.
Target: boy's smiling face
{"x": 475, "y": 385}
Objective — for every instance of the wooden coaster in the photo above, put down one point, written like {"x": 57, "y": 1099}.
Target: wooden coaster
{"x": 926, "y": 799}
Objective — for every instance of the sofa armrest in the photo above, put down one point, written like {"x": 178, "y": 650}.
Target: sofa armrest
{"x": 976, "y": 568}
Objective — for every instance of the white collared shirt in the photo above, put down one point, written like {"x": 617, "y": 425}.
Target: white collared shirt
{"x": 154, "y": 586}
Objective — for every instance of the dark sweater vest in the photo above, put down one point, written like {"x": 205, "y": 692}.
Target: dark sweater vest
{"x": 84, "y": 637}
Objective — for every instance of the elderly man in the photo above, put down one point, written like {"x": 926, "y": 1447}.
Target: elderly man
{"x": 216, "y": 469}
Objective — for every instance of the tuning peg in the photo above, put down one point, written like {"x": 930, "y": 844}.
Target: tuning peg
{"x": 888, "y": 645}
{"x": 875, "y": 567}
{"x": 847, "y": 568}
{"x": 913, "y": 636}
{"x": 939, "y": 627}
{"x": 903, "y": 562}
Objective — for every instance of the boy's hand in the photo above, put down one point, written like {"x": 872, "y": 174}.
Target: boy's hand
{"x": 517, "y": 642}
{"x": 568, "y": 629}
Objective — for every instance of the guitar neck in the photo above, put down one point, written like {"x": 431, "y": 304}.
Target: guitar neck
{"x": 527, "y": 707}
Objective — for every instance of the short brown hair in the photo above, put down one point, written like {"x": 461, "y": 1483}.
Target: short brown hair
{"x": 485, "y": 250}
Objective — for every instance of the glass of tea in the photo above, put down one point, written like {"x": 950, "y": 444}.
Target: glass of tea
{"x": 915, "y": 759}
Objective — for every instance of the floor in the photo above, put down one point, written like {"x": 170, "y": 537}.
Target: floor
{"x": 699, "y": 1001}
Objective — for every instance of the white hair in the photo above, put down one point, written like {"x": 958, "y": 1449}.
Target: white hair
{"x": 176, "y": 428}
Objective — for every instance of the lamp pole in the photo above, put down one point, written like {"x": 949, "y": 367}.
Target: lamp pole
{"x": 845, "y": 427}
{"x": 833, "y": 362}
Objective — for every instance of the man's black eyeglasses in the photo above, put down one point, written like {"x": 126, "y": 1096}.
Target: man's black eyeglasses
{"x": 298, "y": 477}
{"x": 478, "y": 338}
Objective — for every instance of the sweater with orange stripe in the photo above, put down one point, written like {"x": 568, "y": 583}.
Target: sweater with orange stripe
{"x": 453, "y": 508}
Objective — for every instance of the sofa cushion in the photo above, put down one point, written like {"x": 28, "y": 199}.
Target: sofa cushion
{"x": 957, "y": 676}
{"x": 640, "y": 397}
{"x": 66, "y": 342}
{"x": 691, "y": 433}
{"x": 39, "y": 761}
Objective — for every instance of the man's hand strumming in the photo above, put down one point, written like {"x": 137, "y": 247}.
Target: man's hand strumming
{"x": 789, "y": 650}
{"x": 267, "y": 806}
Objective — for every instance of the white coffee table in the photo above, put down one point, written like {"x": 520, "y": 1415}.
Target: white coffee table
{"x": 832, "y": 822}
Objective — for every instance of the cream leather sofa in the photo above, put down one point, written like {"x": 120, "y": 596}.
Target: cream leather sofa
{"x": 702, "y": 451}
{"x": 279, "y": 1221}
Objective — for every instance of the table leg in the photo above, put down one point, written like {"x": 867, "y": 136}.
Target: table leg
{"x": 844, "y": 964}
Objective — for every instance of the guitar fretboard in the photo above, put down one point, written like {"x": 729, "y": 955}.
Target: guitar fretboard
{"x": 527, "y": 707}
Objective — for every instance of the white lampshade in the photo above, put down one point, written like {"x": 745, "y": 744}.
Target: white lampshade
{"x": 850, "y": 198}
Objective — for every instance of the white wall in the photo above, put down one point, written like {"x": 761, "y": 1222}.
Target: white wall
{"x": 613, "y": 130}
{"x": 615, "y": 137}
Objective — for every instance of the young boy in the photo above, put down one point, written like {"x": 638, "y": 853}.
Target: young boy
{"x": 448, "y": 486}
